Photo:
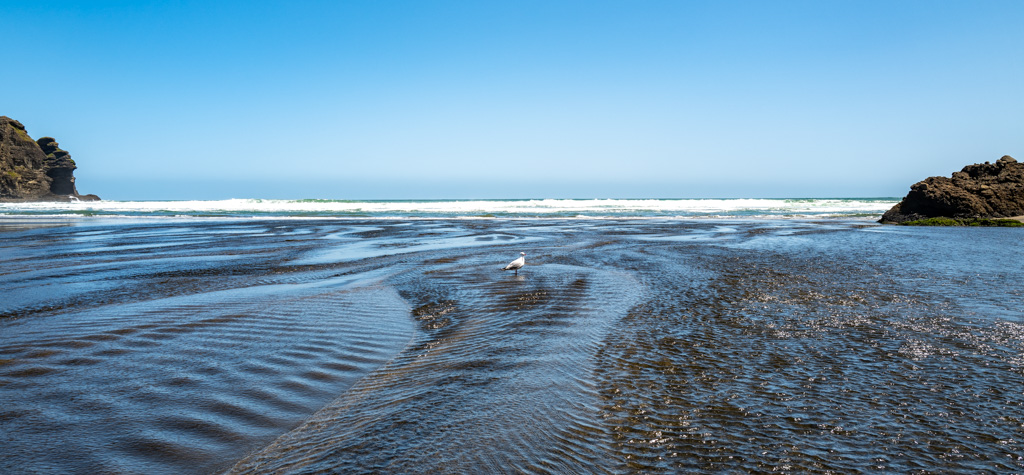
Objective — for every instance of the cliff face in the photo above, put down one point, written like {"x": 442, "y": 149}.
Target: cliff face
{"x": 986, "y": 190}
{"x": 33, "y": 170}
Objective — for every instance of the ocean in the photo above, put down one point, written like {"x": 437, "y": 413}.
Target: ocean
{"x": 540, "y": 208}
{"x": 642, "y": 336}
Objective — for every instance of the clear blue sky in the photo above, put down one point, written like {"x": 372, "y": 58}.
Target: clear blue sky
{"x": 515, "y": 99}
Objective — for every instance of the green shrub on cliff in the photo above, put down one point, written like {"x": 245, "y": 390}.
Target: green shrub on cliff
{"x": 22, "y": 135}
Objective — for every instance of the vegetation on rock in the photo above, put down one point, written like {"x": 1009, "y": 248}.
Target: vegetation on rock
{"x": 1007, "y": 223}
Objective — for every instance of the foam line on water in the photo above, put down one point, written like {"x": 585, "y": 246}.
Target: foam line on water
{"x": 450, "y": 208}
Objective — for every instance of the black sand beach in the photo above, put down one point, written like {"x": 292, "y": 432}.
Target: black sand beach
{"x": 398, "y": 346}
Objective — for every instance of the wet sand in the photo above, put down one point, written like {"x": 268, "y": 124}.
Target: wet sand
{"x": 301, "y": 346}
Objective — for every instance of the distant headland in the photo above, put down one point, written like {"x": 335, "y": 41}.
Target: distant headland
{"x": 983, "y": 194}
{"x": 34, "y": 170}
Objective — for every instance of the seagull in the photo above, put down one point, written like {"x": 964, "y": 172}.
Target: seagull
{"x": 516, "y": 264}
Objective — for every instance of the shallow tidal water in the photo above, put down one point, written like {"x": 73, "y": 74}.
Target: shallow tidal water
{"x": 204, "y": 345}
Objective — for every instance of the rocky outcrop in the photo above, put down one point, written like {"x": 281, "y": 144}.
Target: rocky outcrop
{"x": 34, "y": 170}
{"x": 981, "y": 191}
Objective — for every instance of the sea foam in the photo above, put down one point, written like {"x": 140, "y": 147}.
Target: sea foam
{"x": 587, "y": 208}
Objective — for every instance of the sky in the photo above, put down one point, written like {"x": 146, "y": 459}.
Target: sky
{"x": 515, "y": 99}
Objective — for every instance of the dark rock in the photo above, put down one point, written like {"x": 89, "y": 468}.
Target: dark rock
{"x": 984, "y": 190}
{"x": 60, "y": 167}
{"x": 21, "y": 163}
{"x": 48, "y": 144}
{"x": 34, "y": 170}
{"x": 63, "y": 180}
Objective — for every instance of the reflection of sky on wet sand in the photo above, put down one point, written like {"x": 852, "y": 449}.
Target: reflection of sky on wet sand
{"x": 357, "y": 249}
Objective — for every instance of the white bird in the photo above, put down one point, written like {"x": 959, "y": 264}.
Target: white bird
{"x": 516, "y": 264}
